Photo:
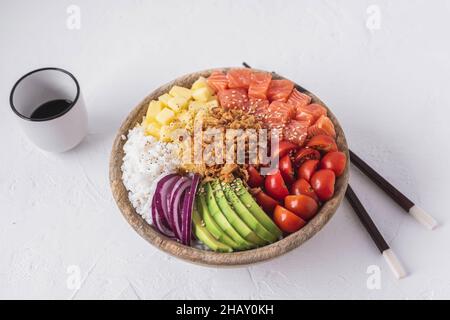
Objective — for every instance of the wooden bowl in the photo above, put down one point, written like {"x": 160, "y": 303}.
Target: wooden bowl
{"x": 202, "y": 256}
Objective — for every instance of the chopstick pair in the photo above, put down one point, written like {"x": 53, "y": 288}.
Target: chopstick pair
{"x": 415, "y": 211}
{"x": 404, "y": 202}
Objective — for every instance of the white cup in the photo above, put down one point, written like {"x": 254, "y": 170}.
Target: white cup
{"x": 56, "y": 132}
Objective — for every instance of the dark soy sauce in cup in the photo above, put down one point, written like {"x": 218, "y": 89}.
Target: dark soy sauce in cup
{"x": 50, "y": 109}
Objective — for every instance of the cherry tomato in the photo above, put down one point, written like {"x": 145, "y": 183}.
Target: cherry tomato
{"x": 323, "y": 143}
{"x": 255, "y": 179}
{"x": 266, "y": 202}
{"x": 335, "y": 161}
{"x": 284, "y": 147}
{"x": 306, "y": 154}
{"x": 275, "y": 186}
{"x": 287, "y": 172}
{"x": 307, "y": 169}
{"x": 286, "y": 220}
{"x": 303, "y": 206}
{"x": 301, "y": 186}
{"x": 323, "y": 183}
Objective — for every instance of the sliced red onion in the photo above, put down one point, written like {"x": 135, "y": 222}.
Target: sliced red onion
{"x": 188, "y": 204}
{"x": 174, "y": 212}
{"x": 172, "y": 206}
{"x": 173, "y": 190}
{"x": 163, "y": 193}
{"x": 158, "y": 215}
{"x": 169, "y": 186}
{"x": 158, "y": 219}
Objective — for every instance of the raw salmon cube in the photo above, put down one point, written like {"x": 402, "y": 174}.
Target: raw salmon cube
{"x": 304, "y": 116}
{"x": 279, "y": 90}
{"x": 296, "y": 132}
{"x": 258, "y": 107}
{"x": 233, "y": 99}
{"x": 217, "y": 81}
{"x": 259, "y": 84}
{"x": 322, "y": 126}
{"x": 239, "y": 78}
{"x": 314, "y": 109}
{"x": 298, "y": 99}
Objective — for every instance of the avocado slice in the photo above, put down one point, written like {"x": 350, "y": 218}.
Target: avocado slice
{"x": 220, "y": 219}
{"x": 232, "y": 216}
{"x": 254, "y": 208}
{"x": 246, "y": 215}
{"x": 205, "y": 236}
{"x": 210, "y": 224}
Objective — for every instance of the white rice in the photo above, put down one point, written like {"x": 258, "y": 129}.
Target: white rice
{"x": 146, "y": 160}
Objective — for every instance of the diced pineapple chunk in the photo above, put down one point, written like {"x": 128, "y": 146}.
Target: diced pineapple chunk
{"x": 165, "y": 116}
{"x": 165, "y": 99}
{"x": 166, "y": 133}
{"x": 152, "y": 129}
{"x": 177, "y": 91}
{"x": 177, "y": 103}
{"x": 196, "y": 106}
{"x": 154, "y": 107}
{"x": 202, "y": 94}
{"x": 199, "y": 83}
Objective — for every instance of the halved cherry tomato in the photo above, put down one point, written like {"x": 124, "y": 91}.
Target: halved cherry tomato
{"x": 286, "y": 220}
{"x": 284, "y": 147}
{"x": 307, "y": 169}
{"x": 323, "y": 143}
{"x": 335, "y": 161}
{"x": 303, "y": 206}
{"x": 306, "y": 154}
{"x": 287, "y": 172}
{"x": 275, "y": 186}
{"x": 301, "y": 186}
{"x": 266, "y": 202}
{"x": 323, "y": 183}
{"x": 255, "y": 179}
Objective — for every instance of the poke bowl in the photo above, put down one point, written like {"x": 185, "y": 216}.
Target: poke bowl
{"x": 229, "y": 213}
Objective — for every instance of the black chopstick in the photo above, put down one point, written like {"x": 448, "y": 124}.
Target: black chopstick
{"x": 404, "y": 202}
{"x": 386, "y": 251}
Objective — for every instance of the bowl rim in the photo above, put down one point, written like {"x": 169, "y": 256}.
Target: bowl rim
{"x": 205, "y": 257}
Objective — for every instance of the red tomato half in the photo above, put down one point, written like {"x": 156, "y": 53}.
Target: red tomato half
{"x": 286, "y": 220}
{"x": 306, "y": 154}
{"x": 266, "y": 202}
{"x": 275, "y": 186}
{"x": 323, "y": 183}
{"x": 284, "y": 148}
{"x": 287, "y": 172}
{"x": 303, "y": 206}
{"x": 307, "y": 169}
{"x": 254, "y": 177}
{"x": 301, "y": 186}
{"x": 323, "y": 143}
{"x": 335, "y": 161}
